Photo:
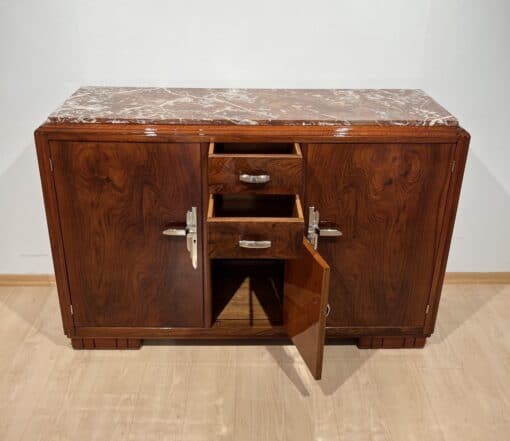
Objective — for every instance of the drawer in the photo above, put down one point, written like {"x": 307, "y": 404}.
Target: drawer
{"x": 270, "y": 168}
{"x": 255, "y": 226}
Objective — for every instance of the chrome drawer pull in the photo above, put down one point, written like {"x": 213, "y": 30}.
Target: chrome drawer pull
{"x": 255, "y": 244}
{"x": 254, "y": 179}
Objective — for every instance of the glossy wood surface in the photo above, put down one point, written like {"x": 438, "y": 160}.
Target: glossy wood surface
{"x": 212, "y": 133}
{"x": 389, "y": 202}
{"x": 304, "y": 306}
{"x": 114, "y": 200}
{"x": 458, "y": 166}
{"x": 285, "y": 170}
{"x": 256, "y": 223}
{"x": 54, "y": 229}
{"x": 341, "y": 136}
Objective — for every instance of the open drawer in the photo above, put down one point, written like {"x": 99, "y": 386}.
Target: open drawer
{"x": 271, "y": 168}
{"x": 255, "y": 226}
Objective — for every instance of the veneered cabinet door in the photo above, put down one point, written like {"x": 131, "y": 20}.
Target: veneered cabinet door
{"x": 114, "y": 201}
{"x": 304, "y": 305}
{"x": 389, "y": 202}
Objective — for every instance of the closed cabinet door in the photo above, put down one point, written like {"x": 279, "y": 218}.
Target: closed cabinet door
{"x": 388, "y": 200}
{"x": 114, "y": 201}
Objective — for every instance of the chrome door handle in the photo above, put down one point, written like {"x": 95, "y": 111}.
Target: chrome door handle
{"x": 191, "y": 234}
{"x": 255, "y": 244}
{"x": 329, "y": 232}
{"x": 175, "y": 232}
{"x": 314, "y": 231}
{"x": 254, "y": 179}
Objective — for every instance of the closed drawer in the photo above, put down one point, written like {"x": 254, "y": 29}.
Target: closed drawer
{"x": 255, "y": 226}
{"x": 270, "y": 168}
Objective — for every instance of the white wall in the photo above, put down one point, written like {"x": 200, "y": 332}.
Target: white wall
{"x": 457, "y": 51}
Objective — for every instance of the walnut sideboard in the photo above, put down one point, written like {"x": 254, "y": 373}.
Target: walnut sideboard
{"x": 237, "y": 213}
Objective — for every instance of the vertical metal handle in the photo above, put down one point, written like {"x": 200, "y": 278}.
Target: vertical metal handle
{"x": 191, "y": 234}
{"x": 314, "y": 231}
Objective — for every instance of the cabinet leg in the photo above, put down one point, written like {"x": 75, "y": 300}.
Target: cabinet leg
{"x": 385, "y": 342}
{"x": 106, "y": 343}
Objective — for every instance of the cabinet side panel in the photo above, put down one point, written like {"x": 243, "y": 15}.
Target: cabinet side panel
{"x": 460, "y": 157}
{"x": 53, "y": 221}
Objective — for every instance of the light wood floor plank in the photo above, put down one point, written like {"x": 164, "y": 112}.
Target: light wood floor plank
{"x": 258, "y": 403}
{"x": 400, "y": 395}
{"x": 19, "y": 311}
{"x": 356, "y": 409}
{"x": 161, "y": 404}
{"x": 467, "y": 403}
{"x": 456, "y": 388}
{"x": 27, "y": 361}
{"x": 210, "y": 402}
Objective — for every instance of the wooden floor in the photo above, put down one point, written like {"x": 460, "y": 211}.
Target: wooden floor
{"x": 457, "y": 388}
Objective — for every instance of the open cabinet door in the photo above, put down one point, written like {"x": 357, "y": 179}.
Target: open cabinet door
{"x": 304, "y": 306}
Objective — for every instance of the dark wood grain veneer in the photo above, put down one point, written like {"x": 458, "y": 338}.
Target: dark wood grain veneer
{"x": 114, "y": 201}
{"x": 389, "y": 202}
{"x": 285, "y": 233}
{"x": 110, "y": 190}
{"x": 285, "y": 171}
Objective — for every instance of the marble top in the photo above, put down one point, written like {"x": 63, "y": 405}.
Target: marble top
{"x": 157, "y": 105}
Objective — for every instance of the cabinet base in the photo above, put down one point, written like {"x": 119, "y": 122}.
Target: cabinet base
{"x": 106, "y": 343}
{"x": 388, "y": 342}
{"x": 366, "y": 342}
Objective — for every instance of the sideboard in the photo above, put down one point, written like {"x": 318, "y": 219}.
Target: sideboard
{"x": 250, "y": 213}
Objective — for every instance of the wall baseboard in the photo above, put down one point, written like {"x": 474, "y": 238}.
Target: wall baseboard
{"x": 450, "y": 278}
{"x": 500, "y": 278}
{"x": 27, "y": 279}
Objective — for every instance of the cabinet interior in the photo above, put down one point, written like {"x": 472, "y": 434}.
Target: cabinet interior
{"x": 253, "y": 205}
{"x": 254, "y": 148}
{"x": 247, "y": 292}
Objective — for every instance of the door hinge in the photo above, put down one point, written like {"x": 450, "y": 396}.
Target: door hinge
{"x": 427, "y": 309}
{"x": 453, "y": 165}
{"x": 51, "y": 165}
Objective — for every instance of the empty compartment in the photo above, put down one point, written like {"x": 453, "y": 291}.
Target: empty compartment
{"x": 252, "y": 205}
{"x": 247, "y": 292}
{"x": 254, "y": 148}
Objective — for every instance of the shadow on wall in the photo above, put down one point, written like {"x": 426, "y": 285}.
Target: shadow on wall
{"x": 25, "y": 245}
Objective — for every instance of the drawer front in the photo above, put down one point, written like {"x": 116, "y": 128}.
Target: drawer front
{"x": 255, "y": 227}
{"x": 239, "y": 173}
{"x": 285, "y": 238}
